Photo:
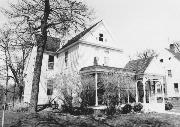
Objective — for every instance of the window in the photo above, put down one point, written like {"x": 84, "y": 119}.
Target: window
{"x": 51, "y": 62}
{"x": 161, "y": 60}
{"x": 49, "y": 87}
{"x": 169, "y": 73}
{"x": 101, "y": 37}
{"x": 176, "y": 87}
{"x": 66, "y": 58}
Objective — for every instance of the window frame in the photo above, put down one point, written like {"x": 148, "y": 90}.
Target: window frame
{"x": 51, "y": 62}
{"x": 101, "y": 37}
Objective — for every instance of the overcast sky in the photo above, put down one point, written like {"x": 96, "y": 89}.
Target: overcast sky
{"x": 138, "y": 24}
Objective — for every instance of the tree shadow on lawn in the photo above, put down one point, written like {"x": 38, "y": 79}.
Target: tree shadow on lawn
{"x": 46, "y": 119}
{"x": 139, "y": 121}
{"x": 55, "y": 120}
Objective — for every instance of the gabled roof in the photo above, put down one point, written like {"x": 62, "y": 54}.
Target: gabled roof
{"x": 138, "y": 66}
{"x": 52, "y": 43}
{"x": 79, "y": 36}
{"x": 175, "y": 54}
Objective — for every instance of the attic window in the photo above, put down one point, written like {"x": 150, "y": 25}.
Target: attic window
{"x": 169, "y": 58}
{"x": 101, "y": 37}
{"x": 161, "y": 60}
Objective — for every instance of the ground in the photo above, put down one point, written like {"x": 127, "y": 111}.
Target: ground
{"x": 46, "y": 118}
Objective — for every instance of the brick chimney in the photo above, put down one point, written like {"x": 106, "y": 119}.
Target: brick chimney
{"x": 172, "y": 47}
{"x": 95, "y": 61}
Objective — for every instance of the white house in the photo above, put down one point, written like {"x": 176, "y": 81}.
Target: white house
{"x": 170, "y": 61}
{"x": 150, "y": 82}
{"x": 157, "y": 77}
{"x": 93, "y": 44}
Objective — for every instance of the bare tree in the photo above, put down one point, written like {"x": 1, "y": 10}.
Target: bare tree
{"x": 47, "y": 17}
{"x": 14, "y": 54}
{"x": 147, "y": 53}
{"x": 118, "y": 85}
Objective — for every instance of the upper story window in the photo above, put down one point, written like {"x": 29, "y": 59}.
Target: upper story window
{"x": 176, "y": 87}
{"x": 66, "y": 58}
{"x": 101, "y": 37}
{"x": 169, "y": 73}
{"x": 161, "y": 60}
{"x": 49, "y": 87}
{"x": 51, "y": 62}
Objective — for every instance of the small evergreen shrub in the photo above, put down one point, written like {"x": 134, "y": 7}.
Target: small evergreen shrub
{"x": 168, "y": 106}
{"x": 137, "y": 107}
{"x": 126, "y": 109}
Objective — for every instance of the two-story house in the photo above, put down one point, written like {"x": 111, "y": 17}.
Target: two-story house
{"x": 170, "y": 61}
{"x": 93, "y": 44}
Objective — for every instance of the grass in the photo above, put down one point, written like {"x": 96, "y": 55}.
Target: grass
{"x": 46, "y": 118}
{"x": 10, "y": 117}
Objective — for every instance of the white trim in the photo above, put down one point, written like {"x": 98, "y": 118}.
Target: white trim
{"x": 102, "y": 46}
{"x": 89, "y": 43}
{"x": 49, "y": 52}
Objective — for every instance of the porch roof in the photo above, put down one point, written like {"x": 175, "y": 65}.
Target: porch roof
{"x": 107, "y": 69}
{"x": 139, "y": 65}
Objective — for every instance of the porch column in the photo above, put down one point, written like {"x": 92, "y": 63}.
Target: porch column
{"x": 144, "y": 88}
{"x": 96, "y": 96}
{"x": 162, "y": 83}
{"x": 149, "y": 90}
{"x": 136, "y": 92}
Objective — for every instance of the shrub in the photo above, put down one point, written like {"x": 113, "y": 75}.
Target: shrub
{"x": 137, "y": 107}
{"x": 20, "y": 107}
{"x": 66, "y": 109}
{"x": 168, "y": 106}
{"x": 110, "y": 110}
{"x": 77, "y": 110}
{"x": 87, "y": 111}
{"x": 126, "y": 109}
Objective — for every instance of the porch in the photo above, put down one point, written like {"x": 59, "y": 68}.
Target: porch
{"x": 149, "y": 88}
{"x": 150, "y": 91}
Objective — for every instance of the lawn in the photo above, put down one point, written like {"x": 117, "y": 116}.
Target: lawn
{"x": 47, "y": 119}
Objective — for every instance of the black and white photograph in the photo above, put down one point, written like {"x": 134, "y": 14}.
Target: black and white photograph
{"x": 89, "y": 63}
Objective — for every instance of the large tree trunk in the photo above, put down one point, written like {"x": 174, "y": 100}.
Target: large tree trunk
{"x": 36, "y": 78}
{"x": 39, "y": 57}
